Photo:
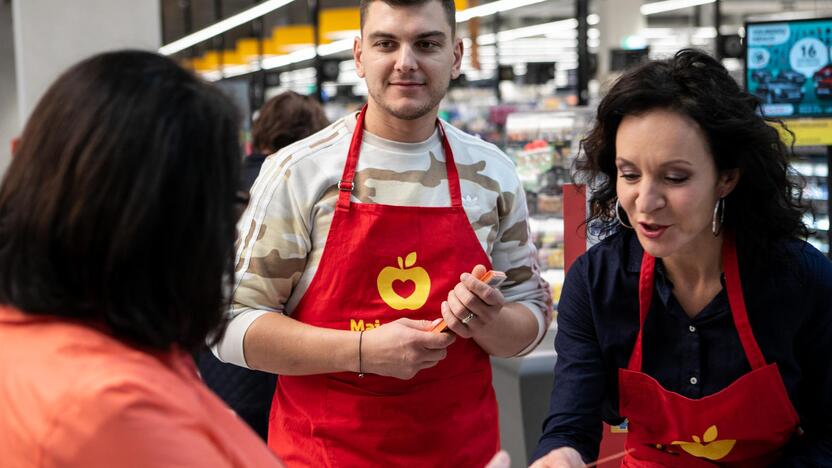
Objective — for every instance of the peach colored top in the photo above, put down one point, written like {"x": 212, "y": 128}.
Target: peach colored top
{"x": 71, "y": 395}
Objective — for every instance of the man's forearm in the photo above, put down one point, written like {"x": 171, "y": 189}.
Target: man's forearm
{"x": 511, "y": 332}
{"x": 282, "y": 345}
{"x": 279, "y": 344}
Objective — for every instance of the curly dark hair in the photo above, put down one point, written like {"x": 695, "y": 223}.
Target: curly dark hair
{"x": 766, "y": 205}
{"x": 285, "y": 119}
{"x": 118, "y": 209}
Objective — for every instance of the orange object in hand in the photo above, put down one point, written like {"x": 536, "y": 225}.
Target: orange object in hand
{"x": 491, "y": 278}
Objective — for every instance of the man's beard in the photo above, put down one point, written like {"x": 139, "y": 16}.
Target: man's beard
{"x": 411, "y": 114}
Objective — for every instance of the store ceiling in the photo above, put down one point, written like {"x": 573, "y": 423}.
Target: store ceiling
{"x": 685, "y": 23}
{"x": 204, "y": 12}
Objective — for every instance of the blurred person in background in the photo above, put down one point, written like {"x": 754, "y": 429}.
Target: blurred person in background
{"x": 126, "y": 162}
{"x": 282, "y": 120}
{"x": 704, "y": 318}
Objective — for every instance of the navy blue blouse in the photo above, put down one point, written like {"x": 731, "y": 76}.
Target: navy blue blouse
{"x": 789, "y": 308}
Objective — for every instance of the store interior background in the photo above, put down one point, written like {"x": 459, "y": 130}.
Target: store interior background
{"x": 532, "y": 93}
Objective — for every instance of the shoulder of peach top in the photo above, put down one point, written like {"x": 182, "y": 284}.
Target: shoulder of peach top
{"x": 179, "y": 361}
{"x": 127, "y": 375}
{"x": 12, "y": 314}
{"x": 95, "y": 352}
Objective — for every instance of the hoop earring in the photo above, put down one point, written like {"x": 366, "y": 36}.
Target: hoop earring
{"x": 719, "y": 211}
{"x": 618, "y": 215}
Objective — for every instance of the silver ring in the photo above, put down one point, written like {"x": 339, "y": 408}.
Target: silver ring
{"x": 468, "y": 318}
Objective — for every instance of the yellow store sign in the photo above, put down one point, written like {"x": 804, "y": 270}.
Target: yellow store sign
{"x": 808, "y": 132}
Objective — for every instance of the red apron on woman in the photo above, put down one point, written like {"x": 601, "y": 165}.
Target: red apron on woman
{"x": 381, "y": 263}
{"x": 745, "y": 424}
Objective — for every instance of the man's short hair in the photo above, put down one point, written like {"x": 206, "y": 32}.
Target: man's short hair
{"x": 447, "y": 5}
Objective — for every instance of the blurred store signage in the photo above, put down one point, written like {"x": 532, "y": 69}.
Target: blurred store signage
{"x": 808, "y": 132}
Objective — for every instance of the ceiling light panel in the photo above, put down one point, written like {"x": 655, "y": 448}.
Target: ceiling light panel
{"x": 670, "y": 5}
{"x": 222, "y": 26}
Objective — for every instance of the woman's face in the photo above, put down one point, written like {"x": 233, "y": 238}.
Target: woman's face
{"x": 667, "y": 181}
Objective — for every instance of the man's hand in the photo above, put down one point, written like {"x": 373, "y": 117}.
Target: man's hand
{"x": 564, "y": 457}
{"x": 402, "y": 348}
{"x": 472, "y": 304}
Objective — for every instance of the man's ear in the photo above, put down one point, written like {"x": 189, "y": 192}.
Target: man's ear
{"x": 356, "y": 55}
{"x": 458, "y": 51}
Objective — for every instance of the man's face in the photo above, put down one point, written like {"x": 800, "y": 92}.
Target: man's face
{"x": 408, "y": 56}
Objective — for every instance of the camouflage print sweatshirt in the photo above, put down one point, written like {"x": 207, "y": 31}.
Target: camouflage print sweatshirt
{"x": 283, "y": 232}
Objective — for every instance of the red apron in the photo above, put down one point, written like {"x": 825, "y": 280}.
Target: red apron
{"x": 381, "y": 263}
{"x": 745, "y": 424}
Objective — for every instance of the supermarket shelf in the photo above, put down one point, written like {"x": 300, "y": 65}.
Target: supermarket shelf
{"x": 553, "y": 275}
{"x": 541, "y": 224}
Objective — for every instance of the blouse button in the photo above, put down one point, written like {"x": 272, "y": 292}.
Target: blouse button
{"x": 694, "y": 380}
{"x": 692, "y": 329}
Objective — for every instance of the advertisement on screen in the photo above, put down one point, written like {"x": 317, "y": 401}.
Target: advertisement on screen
{"x": 788, "y": 65}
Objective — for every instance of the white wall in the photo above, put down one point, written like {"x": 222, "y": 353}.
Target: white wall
{"x": 9, "y": 123}
{"x": 51, "y": 35}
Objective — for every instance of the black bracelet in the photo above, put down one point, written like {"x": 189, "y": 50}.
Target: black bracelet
{"x": 360, "y": 366}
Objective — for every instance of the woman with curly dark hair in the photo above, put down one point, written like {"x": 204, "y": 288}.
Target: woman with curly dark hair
{"x": 117, "y": 226}
{"x": 702, "y": 319}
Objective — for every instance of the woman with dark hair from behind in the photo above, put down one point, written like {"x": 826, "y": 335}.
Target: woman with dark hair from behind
{"x": 128, "y": 161}
{"x": 283, "y": 120}
{"x": 703, "y": 318}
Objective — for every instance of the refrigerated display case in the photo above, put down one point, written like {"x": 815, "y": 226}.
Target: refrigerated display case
{"x": 812, "y": 164}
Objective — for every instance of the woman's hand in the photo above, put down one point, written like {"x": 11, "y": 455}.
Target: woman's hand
{"x": 564, "y": 457}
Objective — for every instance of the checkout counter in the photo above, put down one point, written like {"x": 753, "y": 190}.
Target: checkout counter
{"x": 523, "y": 386}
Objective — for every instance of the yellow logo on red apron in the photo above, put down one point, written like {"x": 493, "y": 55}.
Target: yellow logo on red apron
{"x": 405, "y": 287}
{"x": 708, "y": 447}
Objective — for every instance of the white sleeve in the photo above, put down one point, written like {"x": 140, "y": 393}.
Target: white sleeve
{"x": 273, "y": 243}
{"x": 515, "y": 254}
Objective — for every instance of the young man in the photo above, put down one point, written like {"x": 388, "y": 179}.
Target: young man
{"x": 361, "y": 237}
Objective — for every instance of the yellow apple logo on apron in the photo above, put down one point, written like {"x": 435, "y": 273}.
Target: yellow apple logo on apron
{"x": 405, "y": 287}
{"x": 708, "y": 447}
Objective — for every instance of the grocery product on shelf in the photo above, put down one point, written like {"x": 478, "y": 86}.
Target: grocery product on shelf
{"x": 543, "y": 145}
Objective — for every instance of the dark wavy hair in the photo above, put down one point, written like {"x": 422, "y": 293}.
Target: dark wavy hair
{"x": 118, "y": 209}
{"x": 285, "y": 119}
{"x": 764, "y": 208}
